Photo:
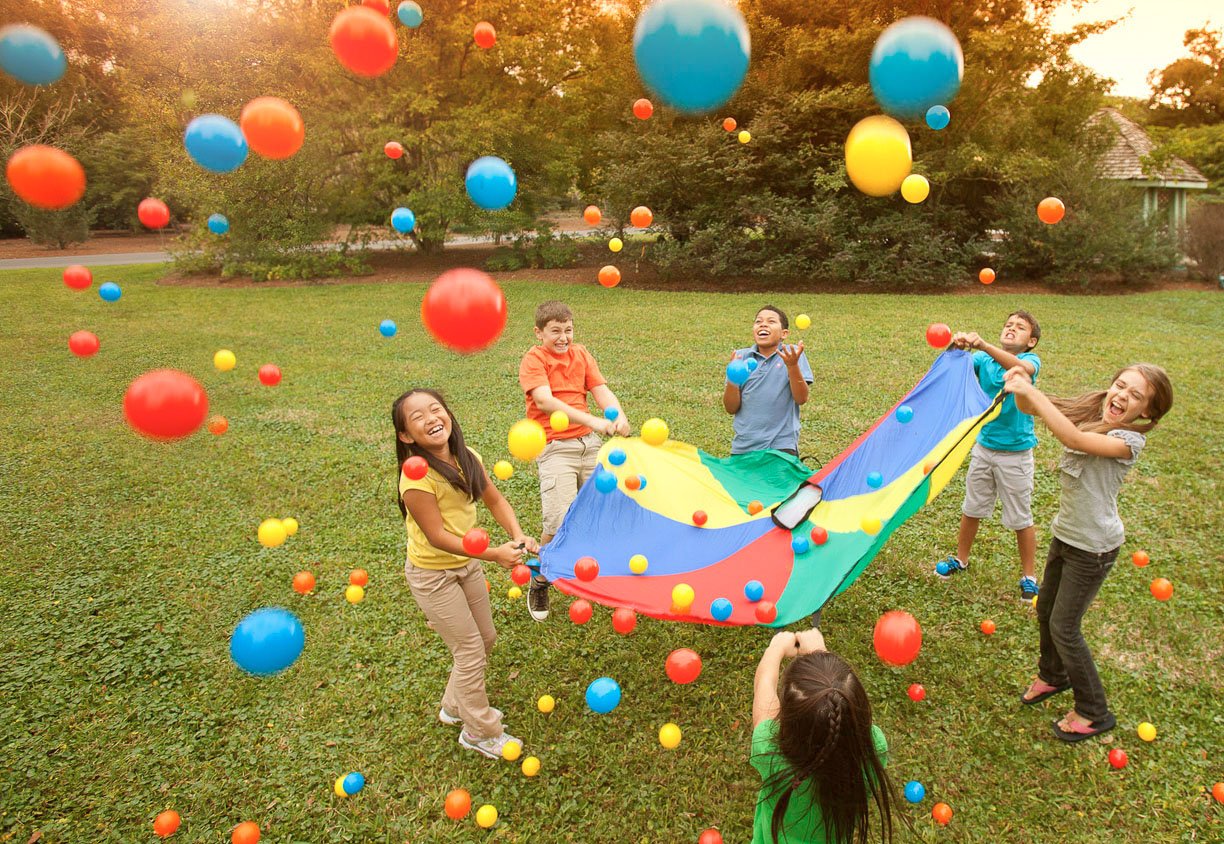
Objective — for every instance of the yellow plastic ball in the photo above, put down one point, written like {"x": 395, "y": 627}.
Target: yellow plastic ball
{"x": 502, "y": 470}
{"x": 546, "y": 704}
{"x": 559, "y": 421}
{"x": 878, "y": 155}
{"x": 514, "y": 593}
{"x": 803, "y": 321}
{"x": 871, "y": 526}
{"x": 637, "y": 564}
{"x": 291, "y": 526}
{"x": 531, "y": 766}
{"x": 354, "y": 594}
{"x": 745, "y": 137}
{"x": 224, "y": 360}
{"x": 272, "y": 533}
{"x": 1147, "y": 731}
{"x": 511, "y": 751}
{"x": 486, "y": 816}
{"x": 915, "y": 188}
{"x": 654, "y": 431}
{"x": 526, "y": 439}
{"x": 339, "y": 787}
{"x": 669, "y": 736}
{"x": 616, "y": 244}
{"x": 683, "y": 595}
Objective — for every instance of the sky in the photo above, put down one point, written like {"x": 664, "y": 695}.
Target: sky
{"x": 1149, "y": 38}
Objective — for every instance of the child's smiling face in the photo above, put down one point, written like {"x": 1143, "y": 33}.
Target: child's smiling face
{"x": 1126, "y": 399}
{"x": 556, "y": 335}
{"x": 426, "y": 422}
{"x": 767, "y": 329}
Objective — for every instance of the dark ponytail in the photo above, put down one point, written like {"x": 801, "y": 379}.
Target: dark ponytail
{"x": 470, "y": 479}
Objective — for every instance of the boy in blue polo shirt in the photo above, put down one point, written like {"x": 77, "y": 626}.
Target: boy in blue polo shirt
{"x": 1001, "y": 463}
{"x": 766, "y": 406}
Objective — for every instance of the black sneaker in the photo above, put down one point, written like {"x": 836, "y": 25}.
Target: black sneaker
{"x": 537, "y": 598}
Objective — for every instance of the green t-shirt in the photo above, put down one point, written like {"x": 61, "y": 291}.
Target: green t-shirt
{"x": 804, "y": 824}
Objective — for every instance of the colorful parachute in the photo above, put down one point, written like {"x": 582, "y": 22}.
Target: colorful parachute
{"x": 915, "y": 461}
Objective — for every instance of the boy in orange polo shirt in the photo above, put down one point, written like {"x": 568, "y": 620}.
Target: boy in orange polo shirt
{"x": 557, "y": 375}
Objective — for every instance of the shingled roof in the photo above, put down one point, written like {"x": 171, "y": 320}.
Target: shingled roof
{"x": 1125, "y": 160}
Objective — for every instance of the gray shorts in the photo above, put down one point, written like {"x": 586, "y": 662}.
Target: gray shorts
{"x": 1006, "y": 476}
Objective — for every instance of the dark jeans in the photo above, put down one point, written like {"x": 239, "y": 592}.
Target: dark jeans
{"x": 1072, "y": 579}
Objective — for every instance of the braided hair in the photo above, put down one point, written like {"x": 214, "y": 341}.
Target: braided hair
{"x": 825, "y": 738}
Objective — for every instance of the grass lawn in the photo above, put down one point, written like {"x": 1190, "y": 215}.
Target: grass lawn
{"x": 125, "y": 564}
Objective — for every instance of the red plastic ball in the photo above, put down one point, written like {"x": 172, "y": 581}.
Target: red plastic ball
{"x": 393, "y": 149}
{"x": 484, "y": 35}
{"x": 580, "y": 611}
{"x": 916, "y": 692}
{"x": 1162, "y": 589}
{"x": 303, "y": 582}
{"x": 729, "y": 124}
{"x": 1140, "y": 558}
{"x": 765, "y": 612}
{"x": 165, "y": 404}
{"x": 464, "y": 310}
{"x": 1217, "y": 791}
{"x": 755, "y": 507}
{"x": 700, "y": 518}
{"x": 897, "y": 638}
{"x": 643, "y": 109}
{"x": 938, "y": 335}
{"x": 1118, "y": 758}
{"x": 269, "y": 375}
{"x": 246, "y": 832}
{"x": 987, "y": 626}
{"x": 83, "y": 344}
{"x": 624, "y": 620}
{"x": 609, "y": 276}
{"x": 78, "y": 277}
{"x": 272, "y": 127}
{"x": 218, "y": 425}
{"x": 520, "y": 574}
{"x": 942, "y": 813}
{"x": 458, "y": 804}
{"x": 986, "y": 275}
{"x": 475, "y": 542}
{"x": 1050, "y": 210}
{"x": 819, "y": 535}
{"x": 586, "y": 569}
{"x": 359, "y": 577}
{"x": 641, "y": 217}
{"x": 710, "y": 836}
{"x": 153, "y": 213}
{"x": 683, "y": 666}
{"x": 380, "y": 6}
{"x": 415, "y": 467}
{"x": 166, "y": 823}
{"x": 45, "y": 177}
{"x": 592, "y": 215}
{"x": 364, "y": 41}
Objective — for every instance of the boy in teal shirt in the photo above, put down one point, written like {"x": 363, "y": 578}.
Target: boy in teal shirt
{"x": 1001, "y": 463}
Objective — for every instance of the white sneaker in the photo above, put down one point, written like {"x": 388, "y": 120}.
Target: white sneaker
{"x": 490, "y": 747}
{"x": 454, "y": 720}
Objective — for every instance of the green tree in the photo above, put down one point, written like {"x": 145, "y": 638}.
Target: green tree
{"x": 1190, "y": 90}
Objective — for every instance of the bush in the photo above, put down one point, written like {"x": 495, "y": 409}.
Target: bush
{"x": 539, "y": 249}
{"x": 1205, "y": 239}
{"x": 57, "y": 229}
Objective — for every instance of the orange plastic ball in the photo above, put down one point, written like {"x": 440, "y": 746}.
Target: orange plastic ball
{"x": 246, "y": 832}
{"x": 359, "y": 577}
{"x": 45, "y": 177}
{"x": 986, "y": 275}
{"x": 272, "y": 127}
{"x": 1162, "y": 589}
{"x": 729, "y": 124}
{"x": 393, "y": 149}
{"x": 218, "y": 425}
{"x": 1140, "y": 558}
{"x": 942, "y": 813}
{"x": 641, "y": 217}
{"x": 364, "y": 41}
{"x": 1217, "y": 791}
{"x": 380, "y": 6}
{"x": 609, "y": 276}
{"x": 458, "y": 804}
{"x": 643, "y": 109}
{"x": 755, "y": 507}
{"x": 484, "y": 35}
{"x": 592, "y": 215}
{"x": 303, "y": 582}
{"x": 166, "y": 823}
{"x": 987, "y": 626}
{"x": 633, "y": 482}
{"x": 1050, "y": 210}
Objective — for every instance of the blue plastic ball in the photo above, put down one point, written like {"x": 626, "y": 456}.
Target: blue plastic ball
{"x": 605, "y": 481}
{"x": 110, "y": 292}
{"x": 387, "y": 328}
{"x": 641, "y": 482}
{"x": 218, "y": 224}
{"x": 31, "y": 55}
{"x": 611, "y": 413}
{"x": 410, "y": 14}
{"x": 603, "y": 695}
{"x": 914, "y": 791}
{"x": 752, "y": 364}
{"x": 800, "y": 544}
{"x": 916, "y": 63}
{"x": 692, "y": 53}
{"x": 738, "y": 372}
{"x": 720, "y": 609}
{"x": 353, "y": 783}
{"x": 938, "y": 117}
{"x": 875, "y": 480}
{"x": 267, "y": 641}
{"x": 403, "y": 220}
{"x": 215, "y": 143}
{"x": 617, "y": 456}
{"x": 754, "y": 590}
{"x": 942, "y": 568}
{"x": 491, "y": 183}
{"x": 904, "y": 413}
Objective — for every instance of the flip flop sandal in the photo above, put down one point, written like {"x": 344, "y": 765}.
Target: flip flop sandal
{"x": 1079, "y": 732}
{"x": 1050, "y": 691}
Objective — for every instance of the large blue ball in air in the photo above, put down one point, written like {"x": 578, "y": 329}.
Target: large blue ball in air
{"x": 403, "y": 220}
{"x": 692, "y": 53}
{"x": 916, "y": 63}
{"x": 267, "y": 641}
{"x": 603, "y": 695}
{"x": 31, "y": 55}
{"x": 215, "y": 143}
{"x": 738, "y": 372}
{"x": 218, "y": 223}
{"x": 491, "y": 183}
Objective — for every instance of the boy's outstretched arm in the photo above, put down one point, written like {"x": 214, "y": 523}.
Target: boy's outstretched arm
{"x": 548, "y": 403}
{"x": 765, "y": 703}
{"x": 798, "y": 383}
{"x": 1004, "y": 358}
{"x": 605, "y": 398}
{"x": 1032, "y": 401}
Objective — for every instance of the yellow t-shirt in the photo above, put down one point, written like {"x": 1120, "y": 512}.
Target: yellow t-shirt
{"x": 458, "y": 517}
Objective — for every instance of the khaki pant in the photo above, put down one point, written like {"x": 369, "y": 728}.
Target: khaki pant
{"x": 456, "y": 602}
{"x": 564, "y": 467}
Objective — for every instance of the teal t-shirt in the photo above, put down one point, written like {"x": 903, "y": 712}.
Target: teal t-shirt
{"x": 804, "y": 823}
{"x": 1012, "y": 430}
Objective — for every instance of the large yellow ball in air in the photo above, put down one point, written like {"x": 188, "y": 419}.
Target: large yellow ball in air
{"x": 803, "y": 321}
{"x": 526, "y": 439}
{"x": 878, "y": 155}
{"x": 616, "y": 244}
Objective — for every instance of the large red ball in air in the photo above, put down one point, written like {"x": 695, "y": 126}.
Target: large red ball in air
{"x": 165, "y": 404}
{"x": 153, "y": 213}
{"x": 938, "y": 335}
{"x": 897, "y": 638}
{"x": 364, "y": 41}
{"x": 464, "y": 310}
{"x": 45, "y": 177}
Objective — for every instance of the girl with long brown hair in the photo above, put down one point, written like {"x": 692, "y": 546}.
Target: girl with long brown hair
{"x": 1102, "y": 433}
